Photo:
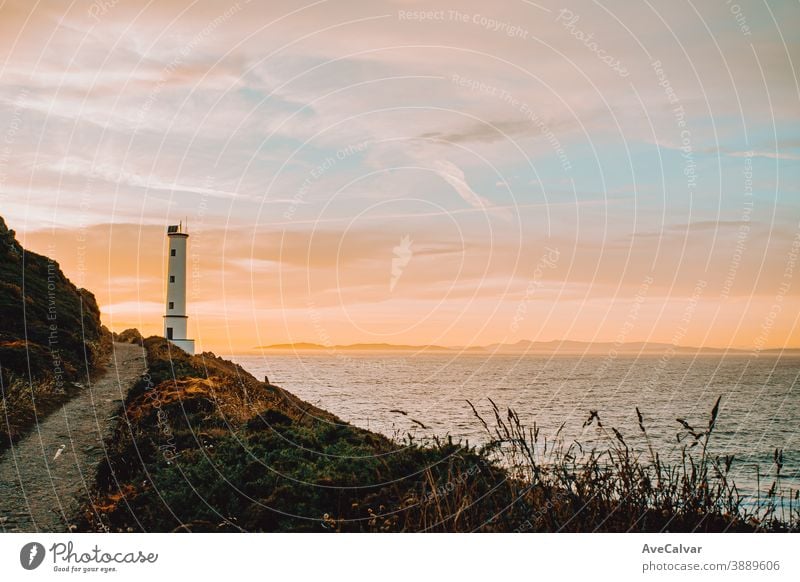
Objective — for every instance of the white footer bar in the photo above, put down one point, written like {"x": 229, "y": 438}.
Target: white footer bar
{"x": 327, "y": 557}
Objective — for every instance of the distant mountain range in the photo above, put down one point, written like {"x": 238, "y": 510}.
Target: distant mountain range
{"x": 561, "y": 347}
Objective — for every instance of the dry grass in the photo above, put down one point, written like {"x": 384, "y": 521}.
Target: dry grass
{"x": 552, "y": 486}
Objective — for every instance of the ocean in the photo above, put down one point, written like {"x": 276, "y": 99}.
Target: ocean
{"x": 402, "y": 393}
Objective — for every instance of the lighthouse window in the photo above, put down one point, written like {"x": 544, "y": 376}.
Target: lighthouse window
{"x": 172, "y": 305}
{"x": 172, "y": 278}
{"x": 172, "y": 252}
{"x": 169, "y": 333}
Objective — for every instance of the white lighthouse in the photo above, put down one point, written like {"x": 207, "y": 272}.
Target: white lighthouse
{"x": 176, "y": 319}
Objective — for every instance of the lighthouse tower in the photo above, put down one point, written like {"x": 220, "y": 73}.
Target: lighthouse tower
{"x": 175, "y": 319}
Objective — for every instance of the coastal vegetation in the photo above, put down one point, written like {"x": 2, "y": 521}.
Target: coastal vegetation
{"x": 51, "y": 338}
{"x": 201, "y": 445}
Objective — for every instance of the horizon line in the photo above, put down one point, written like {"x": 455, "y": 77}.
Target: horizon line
{"x": 500, "y": 345}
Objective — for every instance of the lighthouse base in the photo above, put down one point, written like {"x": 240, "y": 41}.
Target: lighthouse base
{"x": 187, "y": 345}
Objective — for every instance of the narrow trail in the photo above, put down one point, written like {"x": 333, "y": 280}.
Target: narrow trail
{"x": 42, "y": 476}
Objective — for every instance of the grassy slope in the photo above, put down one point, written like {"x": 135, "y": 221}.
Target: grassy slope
{"x": 39, "y": 304}
{"x": 203, "y": 446}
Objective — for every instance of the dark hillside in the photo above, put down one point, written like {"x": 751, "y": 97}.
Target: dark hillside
{"x": 50, "y": 336}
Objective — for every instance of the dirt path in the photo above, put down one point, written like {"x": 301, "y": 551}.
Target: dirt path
{"x": 42, "y": 475}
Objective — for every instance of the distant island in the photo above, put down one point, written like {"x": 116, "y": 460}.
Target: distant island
{"x": 522, "y": 347}
{"x": 306, "y": 346}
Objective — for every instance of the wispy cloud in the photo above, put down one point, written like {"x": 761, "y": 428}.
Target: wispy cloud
{"x": 454, "y": 176}
{"x": 776, "y": 155}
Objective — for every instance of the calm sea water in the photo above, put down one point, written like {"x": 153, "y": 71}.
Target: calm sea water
{"x": 760, "y": 410}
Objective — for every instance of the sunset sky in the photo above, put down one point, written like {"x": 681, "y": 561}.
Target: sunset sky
{"x": 414, "y": 172}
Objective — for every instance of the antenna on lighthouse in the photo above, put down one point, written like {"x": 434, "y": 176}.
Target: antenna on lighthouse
{"x": 175, "y": 318}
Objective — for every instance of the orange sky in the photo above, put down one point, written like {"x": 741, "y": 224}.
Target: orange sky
{"x": 248, "y": 289}
{"x": 362, "y": 174}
